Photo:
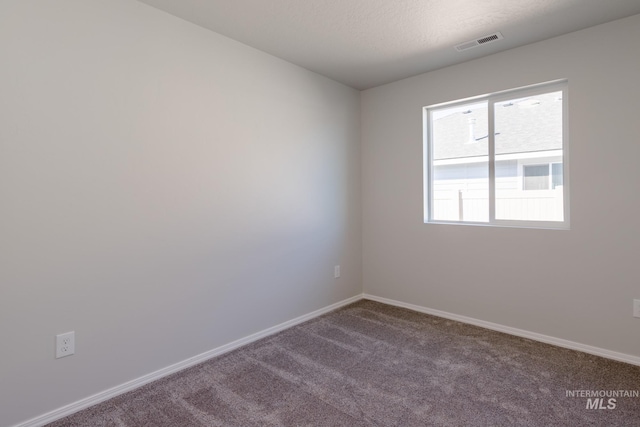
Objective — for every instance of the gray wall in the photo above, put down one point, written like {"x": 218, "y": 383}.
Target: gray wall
{"x": 164, "y": 191}
{"x": 576, "y": 285}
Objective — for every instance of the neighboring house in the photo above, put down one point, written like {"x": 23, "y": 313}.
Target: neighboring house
{"x": 529, "y": 160}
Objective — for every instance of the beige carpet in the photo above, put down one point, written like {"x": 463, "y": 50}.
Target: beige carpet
{"x": 371, "y": 364}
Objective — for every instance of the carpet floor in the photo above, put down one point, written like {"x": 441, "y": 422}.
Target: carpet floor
{"x": 371, "y": 364}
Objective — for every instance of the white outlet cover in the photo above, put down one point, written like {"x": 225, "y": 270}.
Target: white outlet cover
{"x": 65, "y": 344}
{"x": 636, "y": 308}
{"x": 336, "y": 271}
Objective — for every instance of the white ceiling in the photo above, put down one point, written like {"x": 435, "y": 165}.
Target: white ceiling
{"x": 366, "y": 43}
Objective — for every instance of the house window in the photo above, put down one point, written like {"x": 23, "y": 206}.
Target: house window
{"x": 556, "y": 175}
{"x": 542, "y": 177}
{"x": 499, "y": 159}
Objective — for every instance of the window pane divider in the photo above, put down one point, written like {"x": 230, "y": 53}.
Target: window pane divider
{"x": 492, "y": 164}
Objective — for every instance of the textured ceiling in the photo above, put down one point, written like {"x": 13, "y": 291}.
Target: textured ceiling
{"x": 366, "y": 43}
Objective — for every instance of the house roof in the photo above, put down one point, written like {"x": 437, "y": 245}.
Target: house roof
{"x": 522, "y": 125}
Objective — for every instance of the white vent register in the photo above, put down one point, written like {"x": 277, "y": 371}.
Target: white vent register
{"x": 479, "y": 41}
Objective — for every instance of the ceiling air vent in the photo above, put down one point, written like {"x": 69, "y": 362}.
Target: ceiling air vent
{"x": 479, "y": 41}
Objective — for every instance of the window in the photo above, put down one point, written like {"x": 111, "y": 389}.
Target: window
{"x": 542, "y": 177}
{"x": 499, "y": 159}
{"x": 536, "y": 177}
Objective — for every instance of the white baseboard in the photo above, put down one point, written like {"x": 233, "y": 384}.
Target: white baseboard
{"x": 161, "y": 373}
{"x": 139, "y": 382}
{"x": 621, "y": 357}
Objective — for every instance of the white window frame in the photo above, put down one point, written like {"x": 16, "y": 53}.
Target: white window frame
{"x": 492, "y": 99}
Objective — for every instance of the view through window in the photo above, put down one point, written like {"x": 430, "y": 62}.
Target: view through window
{"x": 498, "y": 159}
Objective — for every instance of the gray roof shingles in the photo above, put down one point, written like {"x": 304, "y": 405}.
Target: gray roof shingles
{"x": 524, "y": 125}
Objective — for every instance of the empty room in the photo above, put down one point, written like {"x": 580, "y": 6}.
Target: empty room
{"x": 319, "y": 213}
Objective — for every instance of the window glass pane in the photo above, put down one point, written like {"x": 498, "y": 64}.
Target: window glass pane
{"x": 460, "y": 168}
{"x": 529, "y": 136}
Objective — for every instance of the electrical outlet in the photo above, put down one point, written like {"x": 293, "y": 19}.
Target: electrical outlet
{"x": 65, "y": 344}
{"x": 636, "y": 308}
{"x": 336, "y": 271}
